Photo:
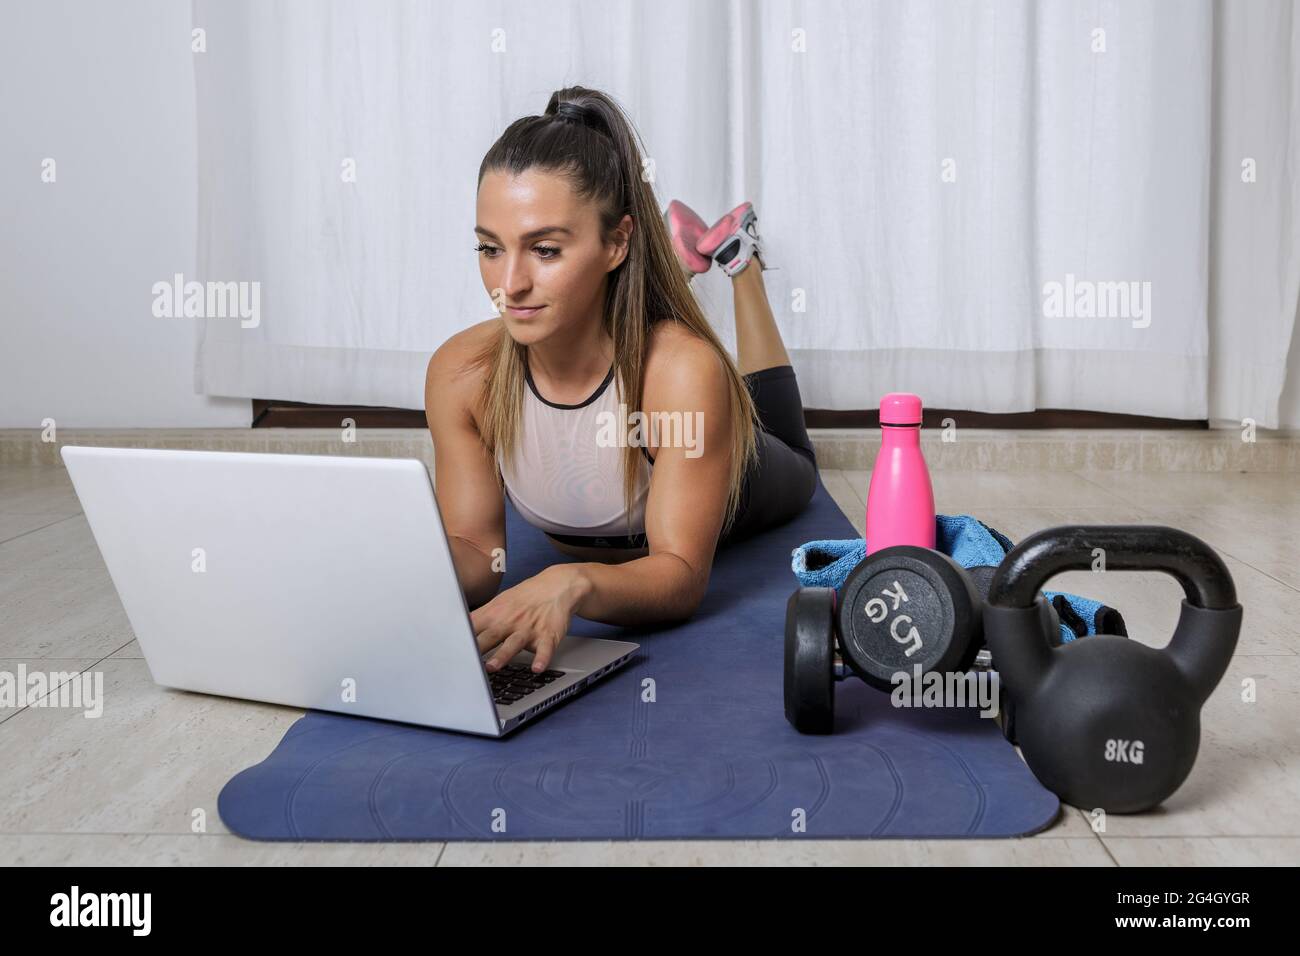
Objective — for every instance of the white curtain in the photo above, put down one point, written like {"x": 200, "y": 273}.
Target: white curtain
{"x": 923, "y": 172}
{"x": 1255, "y": 212}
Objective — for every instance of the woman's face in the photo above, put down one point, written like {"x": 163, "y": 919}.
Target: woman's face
{"x": 541, "y": 247}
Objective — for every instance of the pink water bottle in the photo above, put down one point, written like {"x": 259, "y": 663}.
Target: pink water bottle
{"x": 900, "y": 501}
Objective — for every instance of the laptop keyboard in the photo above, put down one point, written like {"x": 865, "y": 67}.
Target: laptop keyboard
{"x": 514, "y": 682}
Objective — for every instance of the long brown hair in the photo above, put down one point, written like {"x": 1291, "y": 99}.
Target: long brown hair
{"x": 596, "y": 148}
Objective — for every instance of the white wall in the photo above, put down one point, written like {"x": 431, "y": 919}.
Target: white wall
{"x": 1288, "y": 412}
{"x": 107, "y": 91}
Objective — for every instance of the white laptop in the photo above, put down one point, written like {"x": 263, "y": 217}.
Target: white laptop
{"x": 314, "y": 581}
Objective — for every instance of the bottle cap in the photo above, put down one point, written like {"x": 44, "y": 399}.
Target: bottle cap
{"x": 900, "y": 408}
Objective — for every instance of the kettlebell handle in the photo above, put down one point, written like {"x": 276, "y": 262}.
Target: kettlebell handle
{"x": 1041, "y": 556}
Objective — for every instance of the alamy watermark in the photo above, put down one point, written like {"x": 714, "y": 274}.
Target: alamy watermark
{"x": 208, "y": 300}
{"x": 667, "y": 430}
{"x": 1088, "y": 299}
{"x": 77, "y": 690}
{"x": 935, "y": 689}
{"x": 75, "y": 908}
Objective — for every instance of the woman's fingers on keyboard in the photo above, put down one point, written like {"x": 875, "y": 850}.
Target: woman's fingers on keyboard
{"x": 543, "y": 651}
{"x": 511, "y": 646}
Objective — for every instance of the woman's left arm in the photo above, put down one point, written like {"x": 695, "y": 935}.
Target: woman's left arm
{"x": 687, "y": 387}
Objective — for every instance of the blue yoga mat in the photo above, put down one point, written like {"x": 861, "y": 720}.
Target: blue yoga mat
{"x": 711, "y": 757}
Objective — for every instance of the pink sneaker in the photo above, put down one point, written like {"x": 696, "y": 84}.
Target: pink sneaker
{"x": 686, "y": 228}
{"x": 733, "y": 240}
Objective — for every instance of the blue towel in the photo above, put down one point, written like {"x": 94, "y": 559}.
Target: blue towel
{"x": 969, "y": 542}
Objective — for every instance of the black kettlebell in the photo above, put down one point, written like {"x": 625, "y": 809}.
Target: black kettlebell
{"x": 1108, "y": 722}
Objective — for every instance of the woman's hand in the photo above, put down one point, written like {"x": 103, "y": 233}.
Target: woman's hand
{"x": 533, "y": 615}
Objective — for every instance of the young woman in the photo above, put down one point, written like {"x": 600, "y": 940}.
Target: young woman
{"x": 596, "y": 313}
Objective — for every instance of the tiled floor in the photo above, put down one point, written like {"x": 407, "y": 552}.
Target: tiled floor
{"x": 139, "y": 784}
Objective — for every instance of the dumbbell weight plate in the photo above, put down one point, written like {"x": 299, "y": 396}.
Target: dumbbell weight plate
{"x": 810, "y": 660}
{"x": 934, "y": 621}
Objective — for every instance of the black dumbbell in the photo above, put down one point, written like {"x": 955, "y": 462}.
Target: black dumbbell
{"x": 1108, "y": 722}
{"x": 810, "y": 660}
{"x": 907, "y": 607}
{"x": 901, "y": 608}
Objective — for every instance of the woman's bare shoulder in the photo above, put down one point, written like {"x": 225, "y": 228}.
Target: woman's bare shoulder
{"x": 454, "y": 358}
{"x": 676, "y": 357}
{"x": 467, "y": 343}
{"x": 451, "y": 373}
{"x": 672, "y": 345}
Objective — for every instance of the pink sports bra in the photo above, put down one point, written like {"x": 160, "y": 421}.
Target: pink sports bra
{"x": 566, "y": 474}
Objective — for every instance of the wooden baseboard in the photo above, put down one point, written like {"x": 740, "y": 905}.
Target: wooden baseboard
{"x": 960, "y": 449}
{"x": 277, "y": 414}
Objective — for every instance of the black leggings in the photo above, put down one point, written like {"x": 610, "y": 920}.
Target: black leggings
{"x": 782, "y": 481}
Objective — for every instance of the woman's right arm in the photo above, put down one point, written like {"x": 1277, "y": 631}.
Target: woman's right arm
{"x": 472, "y": 507}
